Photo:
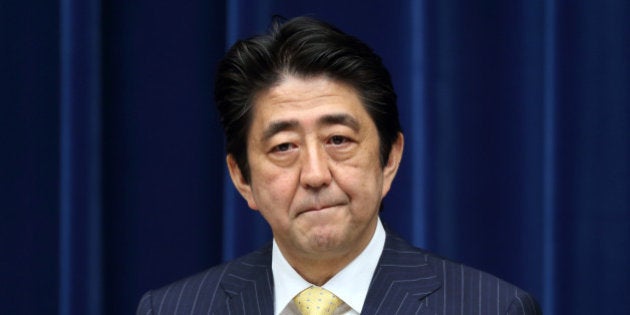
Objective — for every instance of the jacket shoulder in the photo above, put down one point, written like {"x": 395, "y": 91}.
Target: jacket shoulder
{"x": 470, "y": 288}
{"x": 461, "y": 287}
{"x": 206, "y": 292}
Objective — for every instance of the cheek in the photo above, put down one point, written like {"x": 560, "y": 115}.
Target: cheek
{"x": 276, "y": 187}
{"x": 361, "y": 182}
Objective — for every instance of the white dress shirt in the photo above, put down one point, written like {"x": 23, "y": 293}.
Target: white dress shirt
{"x": 351, "y": 284}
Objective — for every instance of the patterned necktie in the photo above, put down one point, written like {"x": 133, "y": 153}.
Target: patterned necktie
{"x": 316, "y": 301}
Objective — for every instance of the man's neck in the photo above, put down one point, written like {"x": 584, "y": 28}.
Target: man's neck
{"x": 318, "y": 268}
{"x": 319, "y": 271}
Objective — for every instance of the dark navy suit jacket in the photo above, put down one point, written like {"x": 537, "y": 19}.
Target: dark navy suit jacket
{"x": 407, "y": 280}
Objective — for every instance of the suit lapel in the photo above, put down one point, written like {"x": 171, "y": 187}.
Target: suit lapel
{"x": 403, "y": 278}
{"x": 249, "y": 285}
{"x": 401, "y": 281}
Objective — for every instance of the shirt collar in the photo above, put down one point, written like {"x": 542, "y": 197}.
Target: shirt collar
{"x": 350, "y": 284}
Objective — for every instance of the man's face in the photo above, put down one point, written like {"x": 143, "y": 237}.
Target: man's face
{"x": 316, "y": 176}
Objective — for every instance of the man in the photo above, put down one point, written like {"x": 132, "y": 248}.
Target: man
{"x": 314, "y": 143}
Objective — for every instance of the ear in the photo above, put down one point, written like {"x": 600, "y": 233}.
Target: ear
{"x": 391, "y": 168}
{"x": 243, "y": 187}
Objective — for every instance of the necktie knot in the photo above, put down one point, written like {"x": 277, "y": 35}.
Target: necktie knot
{"x": 316, "y": 301}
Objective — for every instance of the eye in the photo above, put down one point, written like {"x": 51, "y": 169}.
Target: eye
{"x": 338, "y": 140}
{"x": 283, "y": 147}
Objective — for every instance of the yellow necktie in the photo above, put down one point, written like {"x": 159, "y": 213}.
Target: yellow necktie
{"x": 316, "y": 301}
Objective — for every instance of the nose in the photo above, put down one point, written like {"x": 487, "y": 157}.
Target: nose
{"x": 315, "y": 172}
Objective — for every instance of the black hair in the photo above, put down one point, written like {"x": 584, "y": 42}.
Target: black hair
{"x": 302, "y": 47}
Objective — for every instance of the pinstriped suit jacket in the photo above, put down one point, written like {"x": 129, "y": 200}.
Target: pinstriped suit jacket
{"x": 406, "y": 281}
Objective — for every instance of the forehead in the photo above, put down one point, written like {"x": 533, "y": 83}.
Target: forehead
{"x": 304, "y": 101}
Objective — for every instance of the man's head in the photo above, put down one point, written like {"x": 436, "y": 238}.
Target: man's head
{"x": 313, "y": 139}
{"x": 302, "y": 47}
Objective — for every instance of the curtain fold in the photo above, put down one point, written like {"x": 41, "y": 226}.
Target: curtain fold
{"x": 80, "y": 225}
{"x": 418, "y": 131}
{"x": 549, "y": 173}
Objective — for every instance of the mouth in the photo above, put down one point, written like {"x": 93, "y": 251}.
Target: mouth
{"x": 318, "y": 208}
{"x": 322, "y": 202}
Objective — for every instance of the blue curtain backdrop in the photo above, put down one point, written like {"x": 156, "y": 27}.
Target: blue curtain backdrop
{"x": 516, "y": 115}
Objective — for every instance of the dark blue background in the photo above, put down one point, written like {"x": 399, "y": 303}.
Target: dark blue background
{"x": 517, "y": 161}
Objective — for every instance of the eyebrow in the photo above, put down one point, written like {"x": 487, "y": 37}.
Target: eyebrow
{"x": 326, "y": 120}
{"x": 278, "y": 126}
{"x": 340, "y": 119}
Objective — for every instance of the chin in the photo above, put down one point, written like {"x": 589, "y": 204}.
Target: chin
{"x": 326, "y": 240}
